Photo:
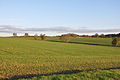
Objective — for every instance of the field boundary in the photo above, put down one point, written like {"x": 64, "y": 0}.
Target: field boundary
{"x": 29, "y": 76}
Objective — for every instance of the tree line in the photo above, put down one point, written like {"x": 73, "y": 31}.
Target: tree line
{"x": 66, "y": 37}
{"x": 42, "y": 36}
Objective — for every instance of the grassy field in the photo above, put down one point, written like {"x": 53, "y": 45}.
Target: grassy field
{"x": 86, "y": 75}
{"x": 89, "y": 41}
{"x": 21, "y": 57}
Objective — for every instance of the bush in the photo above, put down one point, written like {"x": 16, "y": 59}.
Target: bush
{"x": 115, "y": 41}
{"x": 65, "y": 38}
{"x": 43, "y": 37}
{"x": 36, "y": 37}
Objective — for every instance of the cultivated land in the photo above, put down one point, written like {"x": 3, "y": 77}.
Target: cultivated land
{"x": 85, "y": 75}
{"x": 21, "y": 57}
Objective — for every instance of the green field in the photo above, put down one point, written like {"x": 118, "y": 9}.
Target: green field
{"x": 86, "y": 75}
{"x": 28, "y": 57}
{"x": 89, "y": 41}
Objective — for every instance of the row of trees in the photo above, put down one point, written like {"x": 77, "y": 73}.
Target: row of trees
{"x": 95, "y": 35}
{"x": 102, "y": 35}
{"x": 75, "y": 35}
{"x": 66, "y": 37}
{"x": 113, "y": 35}
{"x": 15, "y": 34}
{"x": 42, "y": 36}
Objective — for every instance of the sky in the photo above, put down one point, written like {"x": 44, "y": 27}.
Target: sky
{"x": 55, "y": 17}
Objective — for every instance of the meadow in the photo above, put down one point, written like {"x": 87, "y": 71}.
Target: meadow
{"x": 112, "y": 74}
{"x": 28, "y": 58}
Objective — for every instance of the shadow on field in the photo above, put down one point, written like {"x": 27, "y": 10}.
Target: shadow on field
{"x": 90, "y": 44}
{"x": 29, "y": 76}
{"x": 84, "y": 43}
{"x": 81, "y": 43}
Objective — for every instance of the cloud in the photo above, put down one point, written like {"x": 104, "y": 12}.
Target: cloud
{"x": 61, "y": 29}
{"x": 9, "y": 28}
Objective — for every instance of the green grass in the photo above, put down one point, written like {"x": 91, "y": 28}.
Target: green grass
{"x": 24, "y": 56}
{"x": 86, "y": 75}
{"x": 97, "y": 41}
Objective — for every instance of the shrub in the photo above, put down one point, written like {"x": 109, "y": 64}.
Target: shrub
{"x": 116, "y": 41}
{"x": 43, "y": 37}
{"x": 65, "y": 38}
{"x": 35, "y": 37}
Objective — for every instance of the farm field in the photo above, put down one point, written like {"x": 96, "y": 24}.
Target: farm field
{"x": 112, "y": 74}
{"x": 21, "y": 57}
{"x": 89, "y": 41}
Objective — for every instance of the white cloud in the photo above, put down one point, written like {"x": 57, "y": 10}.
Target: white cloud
{"x": 60, "y": 29}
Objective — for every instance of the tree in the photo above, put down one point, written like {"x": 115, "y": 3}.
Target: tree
{"x": 116, "y": 41}
{"x": 43, "y": 37}
{"x": 14, "y": 34}
{"x": 35, "y": 37}
{"x": 96, "y": 35}
{"x": 118, "y": 34}
{"x": 26, "y": 35}
{"x": 65, "y": 38}
{"x": 102, "y": 36}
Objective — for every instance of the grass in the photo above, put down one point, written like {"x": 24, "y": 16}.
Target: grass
{"x": 86, "y": 75}
{"x": 25, "y": 56}
{"x": 94, "y": 41}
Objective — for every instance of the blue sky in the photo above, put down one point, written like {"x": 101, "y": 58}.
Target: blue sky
{"x": 49, "y": 16}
